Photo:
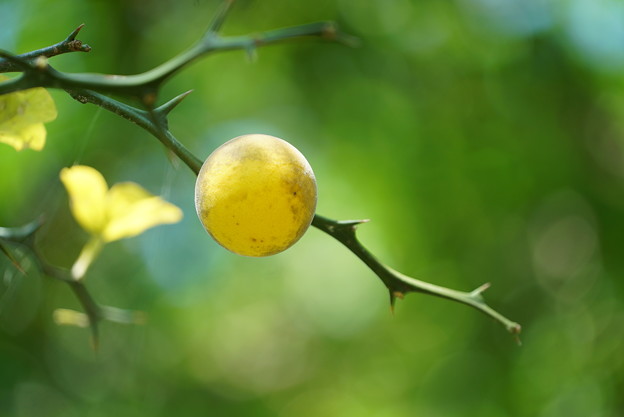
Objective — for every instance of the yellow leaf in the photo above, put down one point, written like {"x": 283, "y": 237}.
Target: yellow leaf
{"x": 125, "y": 210}
{"x": 22, "y": 115}
{"x": 87, "y": 191}
{"x": 132, "y": 210}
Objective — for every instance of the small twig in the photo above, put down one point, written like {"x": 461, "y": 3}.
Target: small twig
{"x": 69, "y": 44}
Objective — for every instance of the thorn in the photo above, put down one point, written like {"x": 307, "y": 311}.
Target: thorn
{"x": 393, "y": 296}
{"x": 171, "y": 104}
{"x": 252, "y": 53}
{"x": 481, "y": 289}
{"x": 351, "y": 223}
{"x": 219, "y": 18}
{"x": 72, "y": 36}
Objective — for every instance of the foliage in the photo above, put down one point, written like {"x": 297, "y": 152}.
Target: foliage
{"x": 479, "y": 149}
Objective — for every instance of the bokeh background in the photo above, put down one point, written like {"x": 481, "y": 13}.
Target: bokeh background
{"x": 485, "y": 140}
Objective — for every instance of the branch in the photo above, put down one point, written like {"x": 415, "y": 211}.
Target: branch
{"x": 145, "y": 86}
{"x": 155, "y": 121}
{"x": 25, "y": 237}
{"x": 88, "y": 88}
{"x": 69, "y": 44}
{"x": 399, "y": 284}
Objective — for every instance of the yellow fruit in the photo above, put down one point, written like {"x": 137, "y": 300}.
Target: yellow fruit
{"x": 256, "y": 195}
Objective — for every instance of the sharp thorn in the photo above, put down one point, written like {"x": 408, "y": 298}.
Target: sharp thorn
{"x": 481, "y": 289}
{"x": 351, "y": 223}
{"x": 72, "y": 36}
{"x": 252, "y": 53}
{"x": 219, "y": 18}
{"x": 393, "y": 297}
{"x": 171, "y": 104}
{"x": 399, "y": 294}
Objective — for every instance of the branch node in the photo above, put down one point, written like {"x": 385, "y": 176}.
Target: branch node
{"x": 78, "y": 46}
{"x": 78, "y": 97}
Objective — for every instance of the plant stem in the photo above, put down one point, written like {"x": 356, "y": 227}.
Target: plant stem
{"x": 70, "y": 44}
{"x": 88, "y": 88}
{"x": 399, "y": 284}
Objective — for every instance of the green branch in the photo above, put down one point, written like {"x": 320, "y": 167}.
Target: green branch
{"x": 91, "y": 88}
{"x": 145, "y": 86}
{"x": 69, "y": 44}
{"x": 25, "y": 237}
{"x": 399, "y": 284}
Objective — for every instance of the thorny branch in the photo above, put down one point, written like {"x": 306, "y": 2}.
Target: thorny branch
{"x": 91, "y": 88}
{"x": 69, "y": 44}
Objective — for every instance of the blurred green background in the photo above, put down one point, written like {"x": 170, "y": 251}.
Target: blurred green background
{"x": 485, "y": 140}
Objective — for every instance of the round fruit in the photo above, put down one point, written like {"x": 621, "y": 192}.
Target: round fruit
{"x": 256, "y": 195}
